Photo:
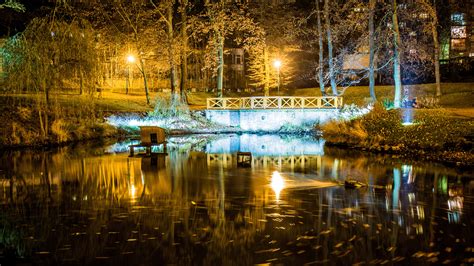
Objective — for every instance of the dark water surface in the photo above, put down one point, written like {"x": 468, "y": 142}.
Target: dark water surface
{"x": 92, "y": 204}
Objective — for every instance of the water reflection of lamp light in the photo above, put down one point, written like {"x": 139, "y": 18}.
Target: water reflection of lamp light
{"x": 133, "y": 193}
{"x": 455, "y": 206}
{"x": 408, "y": 174}
{"x": 277, "y": 184}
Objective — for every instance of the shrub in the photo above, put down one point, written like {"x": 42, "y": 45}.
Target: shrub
{"x": 428, "y": 102}
{"x": 381, "y": 129}
{"x": 59, "y": 128}
{"x": 170, "y": 107}
{"x": 352, "y": 111}
{"x": 388, "y": 104}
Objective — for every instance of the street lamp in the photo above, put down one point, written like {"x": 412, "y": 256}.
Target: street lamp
{"x": 130, "y": 60}
{"x": 277, "y": 65}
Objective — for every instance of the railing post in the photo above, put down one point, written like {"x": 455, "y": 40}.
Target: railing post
{"x": 251, "y": 103}
{"x": 318, "y": 103}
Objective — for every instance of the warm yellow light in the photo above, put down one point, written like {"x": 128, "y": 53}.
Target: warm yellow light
{"x": 133, "y": 191}
{"x": 277, "y": 63}
{"x": 277, "y": 184}
{"x": 131, "y": 59}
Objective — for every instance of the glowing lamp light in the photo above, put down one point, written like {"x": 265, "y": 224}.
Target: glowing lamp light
{"x": 277, "y": 63}
{"x": 277, "y": 184}
{"x": 131, "y": 59}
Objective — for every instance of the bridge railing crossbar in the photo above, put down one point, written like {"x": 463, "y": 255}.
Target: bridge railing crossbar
{"x": 284, "y": 102}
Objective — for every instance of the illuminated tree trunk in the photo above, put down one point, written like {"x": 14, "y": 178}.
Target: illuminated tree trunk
{"x": 267, "y": 71}
{"x": 145, "y": 81}
{"x": 396, "y": 58}
{"x": 220, "y": 67}
{"x": 184, "y": 55}
{"x": 436, "y": 59}
{"x": 321, "y": 50}
{"x": 434, "y": 32}
{"x": 371, "y": 50}
{"x": 171, "y": 51}
{"x": 330, "y": 53}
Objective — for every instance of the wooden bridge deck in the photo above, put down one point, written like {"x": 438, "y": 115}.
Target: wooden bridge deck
{"x": 274, "y": 102}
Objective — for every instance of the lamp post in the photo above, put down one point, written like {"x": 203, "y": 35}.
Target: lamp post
{"x": 277, "y": 65}
{"x": 130, "y": 60}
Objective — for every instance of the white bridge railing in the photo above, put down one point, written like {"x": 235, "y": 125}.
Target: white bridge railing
{"x": 283, "y": 102}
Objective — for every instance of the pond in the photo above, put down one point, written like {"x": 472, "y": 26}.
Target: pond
{"x": 287, "y": 204}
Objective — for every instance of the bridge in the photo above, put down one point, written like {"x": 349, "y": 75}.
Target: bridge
{"x": 283, "y": 102}
{"x": 273, "y": 112}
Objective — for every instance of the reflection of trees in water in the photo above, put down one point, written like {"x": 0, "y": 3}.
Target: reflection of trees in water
{"x": 118, "y": 204}
{"x": 181, "y": 209}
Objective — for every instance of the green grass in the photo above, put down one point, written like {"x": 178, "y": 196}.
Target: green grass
{"x": 455, "y": 95}
{"x": 435, "y": 134}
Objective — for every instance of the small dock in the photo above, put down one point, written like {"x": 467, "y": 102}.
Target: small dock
{"x": 244, "y": 159}
{"x": 150, "y": 136}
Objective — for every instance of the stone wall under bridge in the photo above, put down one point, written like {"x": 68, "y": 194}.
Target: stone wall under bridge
{"x": 270, "y": 119}
{"x": 271, "y": 113}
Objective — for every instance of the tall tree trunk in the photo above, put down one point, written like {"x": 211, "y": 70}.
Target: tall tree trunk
{"x": 81, "y": 81}
{"x": 171, "y": 52}
{"x": 46, "y": 91}
{"x": 127, "y": 79}
{"x": 396, "y": 58}
{"x": 266, "y": 63}
{"x": 436, "y": 61}
{"x": 44, "y": 109}
{"x": 330, "y": 55}
{"x": 220, "y": 67}
{"x": 321, "y": 51}
{"x": 371, "y": 50}
{"x": 145, "y": 80}
{"x": 434, "y": 32}
{"x": 184, "y": 55}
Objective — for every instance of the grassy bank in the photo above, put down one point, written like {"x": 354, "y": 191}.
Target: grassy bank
{"x": 455, "y": 95}
{"x": 28, "y": 121}
{"x": 434, "y": 134}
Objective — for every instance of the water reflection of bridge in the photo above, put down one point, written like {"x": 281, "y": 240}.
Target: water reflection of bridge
{"x": 267, "y": 145}
{"x": 291, "y": 161}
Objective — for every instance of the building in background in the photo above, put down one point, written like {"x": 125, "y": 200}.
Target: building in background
{"x": 235, "y": 64}
{"x": 457, "y": 43}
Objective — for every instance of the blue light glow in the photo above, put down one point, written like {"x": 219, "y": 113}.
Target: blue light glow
{"x": 260, "y": 145}
{"x": 407, "y": 116}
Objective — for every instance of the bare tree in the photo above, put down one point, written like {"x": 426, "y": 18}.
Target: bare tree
{"x": 431, "y": 9}
{"x": 321, "y": 50}
{"x": 134, "y": 16}
{"x": 220, "y": 22}
{"x": 327, "y": 23}
{"x": 184, "y": 5}
{"x": 371, "y": 50}
{"x": 166, "y": 11}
